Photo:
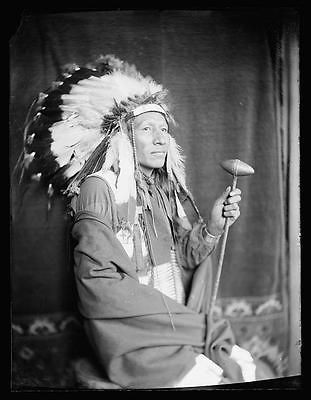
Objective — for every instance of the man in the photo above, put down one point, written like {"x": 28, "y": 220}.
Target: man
{"x": 157, "y": 351}
{"x": 142, "y": 264}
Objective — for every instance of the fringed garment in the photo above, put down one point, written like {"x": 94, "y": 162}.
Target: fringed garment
{"x": 144, "y": 289}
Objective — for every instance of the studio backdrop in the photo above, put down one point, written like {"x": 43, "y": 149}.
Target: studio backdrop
{"x": 226, "y": 71}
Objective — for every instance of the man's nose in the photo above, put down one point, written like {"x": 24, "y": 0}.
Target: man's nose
{"x": 159, "y": 137}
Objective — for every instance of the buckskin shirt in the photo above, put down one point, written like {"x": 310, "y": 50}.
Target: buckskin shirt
{"x": 144, "y": 298}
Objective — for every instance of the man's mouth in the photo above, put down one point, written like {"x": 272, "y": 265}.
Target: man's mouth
{"x": 159, "y": 152}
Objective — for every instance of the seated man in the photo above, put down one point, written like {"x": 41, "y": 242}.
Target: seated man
{"x": 142, "y": 251}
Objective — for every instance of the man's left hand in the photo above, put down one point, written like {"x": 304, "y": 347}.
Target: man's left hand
{"x": 225, "y": 207}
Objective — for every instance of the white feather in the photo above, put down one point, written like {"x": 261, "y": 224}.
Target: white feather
{"x": 100, "y": 94}
{"x": 73, "y": 169}
{"x": 121, "y": 150}
{"x": 79, "y": 132}
{"x": 74, "y": 139}
{"x": 175, "y": 161}
{"x": 65, "y": 157}
{"x": 111, "y": 157}
{"x": 122, "y": 183}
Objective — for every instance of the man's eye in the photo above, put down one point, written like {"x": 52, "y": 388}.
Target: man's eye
{"x": 164, "y": 130}
{"x": 146, "y": 128}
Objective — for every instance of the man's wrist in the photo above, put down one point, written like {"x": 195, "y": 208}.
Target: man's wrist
{"x": 214, "y": 231}
{"x": 215, "y": 237}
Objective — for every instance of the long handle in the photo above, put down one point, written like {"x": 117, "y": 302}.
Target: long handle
{"x": 222, "y": 254}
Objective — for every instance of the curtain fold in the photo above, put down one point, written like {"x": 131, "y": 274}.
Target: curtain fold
{"x": 292, "y": 103}
{"x": 288, "y": 132}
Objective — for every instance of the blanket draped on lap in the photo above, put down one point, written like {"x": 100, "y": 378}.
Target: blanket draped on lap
{"x": 141, "y": 337}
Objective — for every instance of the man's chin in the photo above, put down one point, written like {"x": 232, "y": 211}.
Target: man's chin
{"x": 152, "y": 166}
{"x": 158, "y": 165}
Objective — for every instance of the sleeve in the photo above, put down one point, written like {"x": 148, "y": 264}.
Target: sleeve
{"x": 194, "y": 242}
{"x": 128, "y": 324}
{"x": 94, "y": 197}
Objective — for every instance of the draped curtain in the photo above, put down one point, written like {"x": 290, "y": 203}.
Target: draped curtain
{"x": 232, "y": 77}
{"x": 287, "y": 111}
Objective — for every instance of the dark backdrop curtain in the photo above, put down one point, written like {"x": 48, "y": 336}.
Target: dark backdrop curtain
{"x": 288, "y": 127}
{"x": 220, "y": 68}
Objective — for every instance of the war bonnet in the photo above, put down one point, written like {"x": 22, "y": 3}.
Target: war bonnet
{"x": 80, "y": 126}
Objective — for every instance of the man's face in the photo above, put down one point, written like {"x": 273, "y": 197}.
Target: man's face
{"x": 151, "y": 136}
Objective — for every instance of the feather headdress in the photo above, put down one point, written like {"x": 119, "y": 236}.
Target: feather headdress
{"x": 75, "y": 129}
